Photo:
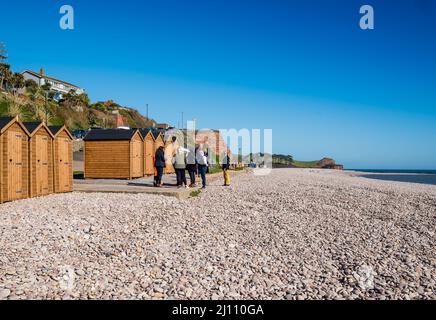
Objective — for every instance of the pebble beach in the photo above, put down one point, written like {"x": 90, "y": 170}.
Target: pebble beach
{"x": 294, "y": 234}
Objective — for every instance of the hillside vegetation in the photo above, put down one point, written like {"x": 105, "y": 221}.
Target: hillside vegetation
{"x": 32, "y": 102}
{"x": 74, "y": 111}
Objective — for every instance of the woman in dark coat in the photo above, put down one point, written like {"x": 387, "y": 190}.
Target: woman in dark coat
{"x": 159, "y": 163}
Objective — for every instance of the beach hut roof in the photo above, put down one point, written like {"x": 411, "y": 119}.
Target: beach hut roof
{"x": 145, "y": 131}
{"x": 155, "y": 133}
{"x": 110, "y": 134}
{"x": 56, "y": 129}
{"x": 6, "y": 122}
{"x": 32, "y": 126}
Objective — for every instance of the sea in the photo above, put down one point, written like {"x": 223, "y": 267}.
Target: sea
{"x": 412, "y": 176}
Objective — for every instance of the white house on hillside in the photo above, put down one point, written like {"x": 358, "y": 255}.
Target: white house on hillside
{"x": 58, "y": 86}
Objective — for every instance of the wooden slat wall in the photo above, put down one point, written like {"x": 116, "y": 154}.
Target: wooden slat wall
{"x": 158, "y": 142}
{"x": 70, "y": 164}
{"x": 2, "y": 156}
{"x": 6, "y": 145}
{"x": 32, "y": 167}
{"x": 42, "y": 132}
{"x": 63, "y": 179}
{"x": 136, "y": 160}
{"x": 148, "y": 155}
{"x": 51, "y": 165}
{"x": 107, "y": 159}
{"x": 5, "y": 174}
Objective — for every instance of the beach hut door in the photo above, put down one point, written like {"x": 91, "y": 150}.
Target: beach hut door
{"x": 149, "y": 157}
{"x": 15, "y": 165}
{"x": 136, "y": 158}
{"x": 42, "y": 165}
{"x": 64, "y": 165}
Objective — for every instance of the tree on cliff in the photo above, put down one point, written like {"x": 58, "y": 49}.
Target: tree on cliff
{"x": 73, "y": 100}
{"x": 3, "y": 51}
{"x": 5, "y": 73}
{"x": 5, "y": 69}
{"x": 16, "y": 82}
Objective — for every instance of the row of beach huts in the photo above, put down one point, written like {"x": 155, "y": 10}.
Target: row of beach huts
{"x": 35, "y": 159}
{"x": 123, "y": 153}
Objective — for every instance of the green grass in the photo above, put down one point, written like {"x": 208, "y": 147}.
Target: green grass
{"x": 215, "y": 169}
{"x": 305, "y": 164}
{"x": 55, "y": 121}
{"x": 4, "y": 107}
{"x": 195, "y": 193}
{"x": 27, "y": 114}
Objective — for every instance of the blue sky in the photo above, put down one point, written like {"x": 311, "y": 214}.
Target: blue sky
{"x": 303, "y": 68}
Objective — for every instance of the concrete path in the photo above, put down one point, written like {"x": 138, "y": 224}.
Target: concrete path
{"x": 142, "y": 185}
{"x": 118, "y": 188}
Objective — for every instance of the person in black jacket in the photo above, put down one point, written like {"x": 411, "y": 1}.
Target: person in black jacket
{"x": 159, "y": 163}
{"x": 191, "y": 166}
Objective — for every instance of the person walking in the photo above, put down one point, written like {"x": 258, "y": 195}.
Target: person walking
{"x": 191, "y": 166}
{"x": 202, "y": 165}
{"x": 226, "y": 167}
{"x": 180, "y": 167}
{"x": 159, "y": 163}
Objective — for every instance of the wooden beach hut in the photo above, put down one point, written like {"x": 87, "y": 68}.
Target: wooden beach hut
{"x": 148, "y": 151}
{"x": 113, "y": 154}
{"x": 41, "y": 180}
{"x": 62, "y": 159}
{"x": 14, "y": 162}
